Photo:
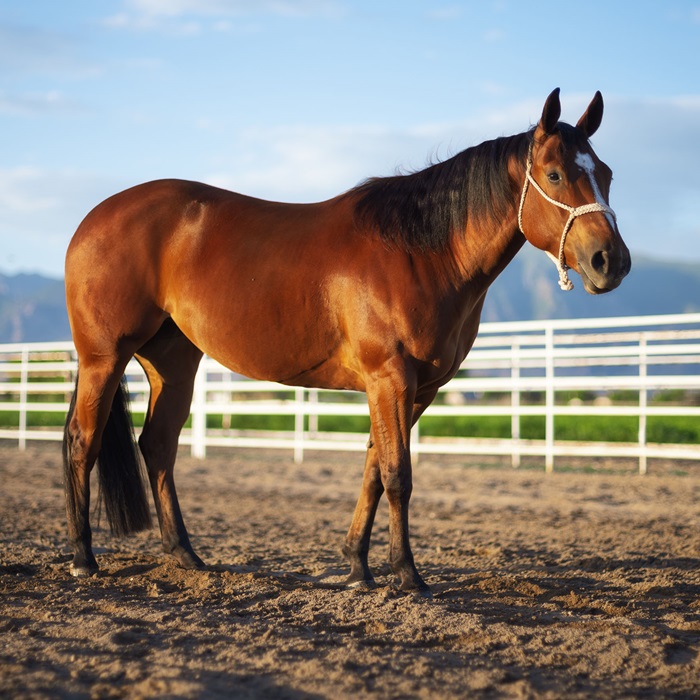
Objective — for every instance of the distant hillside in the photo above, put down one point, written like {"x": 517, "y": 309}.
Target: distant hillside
{"x": 32, "y": 307}
{"x": 528, "y": 289}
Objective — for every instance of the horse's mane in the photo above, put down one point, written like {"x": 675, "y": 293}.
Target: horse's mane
{"x": 423, "y": 209}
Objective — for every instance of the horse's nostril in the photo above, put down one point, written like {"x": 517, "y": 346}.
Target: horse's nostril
{"x": 599, "y": 261}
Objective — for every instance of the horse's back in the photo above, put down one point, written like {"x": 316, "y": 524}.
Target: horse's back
{"x": 147, "y": 214}
{"x": 152, "y": 215}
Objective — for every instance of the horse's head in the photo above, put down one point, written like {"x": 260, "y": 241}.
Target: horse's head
{"x": 564, "y": 201}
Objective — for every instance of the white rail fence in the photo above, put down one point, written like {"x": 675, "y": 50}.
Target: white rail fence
{"x": 613, "y": 367}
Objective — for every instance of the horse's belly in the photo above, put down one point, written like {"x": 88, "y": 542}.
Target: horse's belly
{"x": 273, "y": 344}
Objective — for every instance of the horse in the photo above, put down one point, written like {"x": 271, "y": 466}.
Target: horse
{"x": 377, "y": 290}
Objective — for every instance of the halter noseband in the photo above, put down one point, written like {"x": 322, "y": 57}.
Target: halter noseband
{"x": 564, "y": 282}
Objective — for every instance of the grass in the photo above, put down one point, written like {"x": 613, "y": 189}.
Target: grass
{"x": 660, "y": 429}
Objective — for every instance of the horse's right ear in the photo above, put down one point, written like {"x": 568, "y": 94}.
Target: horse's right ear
{"x": 590, "y": 121}
{"x": 550, "y": 113}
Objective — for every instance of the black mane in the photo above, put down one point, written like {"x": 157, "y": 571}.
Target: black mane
{"x": 422, "y": 209}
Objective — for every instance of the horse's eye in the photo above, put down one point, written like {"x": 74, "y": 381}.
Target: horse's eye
{"x": 554, "y": 177}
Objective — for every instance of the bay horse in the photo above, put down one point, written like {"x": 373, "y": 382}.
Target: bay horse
{"x": 378, "y": 290}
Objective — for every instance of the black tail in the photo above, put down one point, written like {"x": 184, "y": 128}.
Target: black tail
{"x": 122, "y": 478}
{"x": 68, "y": 471}
{"x": 121, "y": 475}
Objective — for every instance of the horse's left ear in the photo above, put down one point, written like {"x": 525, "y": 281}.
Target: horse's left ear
{"x": 590, "y": 121}
{"x": 550, "y": 113}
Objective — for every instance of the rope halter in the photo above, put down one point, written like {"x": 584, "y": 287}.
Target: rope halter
{"x": 586, "y": 163}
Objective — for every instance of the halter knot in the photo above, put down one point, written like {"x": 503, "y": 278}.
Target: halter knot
{"x": 564, "y": 282}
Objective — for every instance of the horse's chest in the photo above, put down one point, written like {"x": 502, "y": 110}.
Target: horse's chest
{"x": 449, "y": 344}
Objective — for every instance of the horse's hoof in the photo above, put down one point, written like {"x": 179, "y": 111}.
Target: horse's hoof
{"x": 188, "y": 560}
{"x": 417, "y": 591}
{"x": 415, "y": 585}
{"x": 361, "y": 584}
{"x": 83, "y": 570}
{"x": 360, "y": 578}
{"x": 423, "y": 593}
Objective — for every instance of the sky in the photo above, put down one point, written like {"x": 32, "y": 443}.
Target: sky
{"x": 299, "y": 100}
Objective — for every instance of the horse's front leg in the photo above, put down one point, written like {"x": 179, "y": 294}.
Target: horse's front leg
{"x": 356, "y": 547}
{"x": 391, "y": 398}
{"x": 357, "y": 542}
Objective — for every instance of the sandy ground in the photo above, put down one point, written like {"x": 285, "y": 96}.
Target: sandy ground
{"x": 562, "y": 586}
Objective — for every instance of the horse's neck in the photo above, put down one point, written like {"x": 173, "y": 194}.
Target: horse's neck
{"x": 483, "y": 252}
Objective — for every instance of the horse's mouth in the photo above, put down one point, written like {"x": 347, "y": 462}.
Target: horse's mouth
{"x": 592, "y": 288}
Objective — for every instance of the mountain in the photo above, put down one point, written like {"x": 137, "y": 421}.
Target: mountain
{"x": 32, "y": 307}
{"x": 528, "y": 289}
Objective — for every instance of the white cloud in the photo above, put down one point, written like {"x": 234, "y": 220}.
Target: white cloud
{"x": 177, "y": 15}
{"x": 303, "y": 163}
{"x": 494, "y": 35}
{"x": 119, "y": 21}
{"x": 39, "y": 211}
{"x": 31, "y": 50}
{"x": 446, "y": 13}
{"x": 309, "y": 163}
{"x": 35, "y": 103}
{"x": 493, "y": 88}
{"x": 175, "y": 8}
{"x": 19, "y": 192}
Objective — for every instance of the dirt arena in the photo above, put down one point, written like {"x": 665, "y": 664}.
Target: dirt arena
{"x": 568, "y": 585}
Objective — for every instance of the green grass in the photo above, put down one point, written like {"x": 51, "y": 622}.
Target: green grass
{"x": 341, "y": 424}
{"x": 597, "y": 428}
{"x": 679, "y": 429}
{"x": 531, "y": 427}
{"x": 660, "y": 429}
{"x": 253, "y": 422}
{"x": 10, "y": 419}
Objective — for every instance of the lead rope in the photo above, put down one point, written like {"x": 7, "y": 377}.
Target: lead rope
{"x": 564, "y": 282}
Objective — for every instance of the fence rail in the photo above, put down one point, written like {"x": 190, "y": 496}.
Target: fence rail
{"x": 515, "y": 370}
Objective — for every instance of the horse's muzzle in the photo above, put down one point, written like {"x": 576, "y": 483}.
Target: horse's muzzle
{"x": 604, "y": 270}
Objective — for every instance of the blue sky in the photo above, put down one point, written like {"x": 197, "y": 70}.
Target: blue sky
{"x": 301, "y": 99}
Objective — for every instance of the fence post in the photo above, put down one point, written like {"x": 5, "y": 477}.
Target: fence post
{"x": 299, "y": 425}
{"x": 313, "y": 415}
{"x": 199, "y": 412}
{"x": 549, "y": 398}
{"x": 415, "y": 443}
{"x": 643, "y": 399}
{"x": 23, "y": 394}
{"x": 515, "y": 404}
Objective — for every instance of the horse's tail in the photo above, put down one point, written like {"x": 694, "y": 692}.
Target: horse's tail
{"x": 68, "y": 469}
{"x": 121, "y": 475}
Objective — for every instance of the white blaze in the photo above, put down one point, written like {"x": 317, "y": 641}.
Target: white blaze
{"x": 585, "y": 162}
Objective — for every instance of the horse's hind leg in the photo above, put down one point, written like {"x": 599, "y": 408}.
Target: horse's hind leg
{"x": 170, "y": 362}
{"x": 87, "y": 417}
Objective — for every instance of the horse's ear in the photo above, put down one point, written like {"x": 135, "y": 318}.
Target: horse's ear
{"x": 551, "y": 113}
{"x": 590, "y": 121}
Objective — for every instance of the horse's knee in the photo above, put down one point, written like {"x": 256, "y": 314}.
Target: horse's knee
{"x": 398, "y": 486}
